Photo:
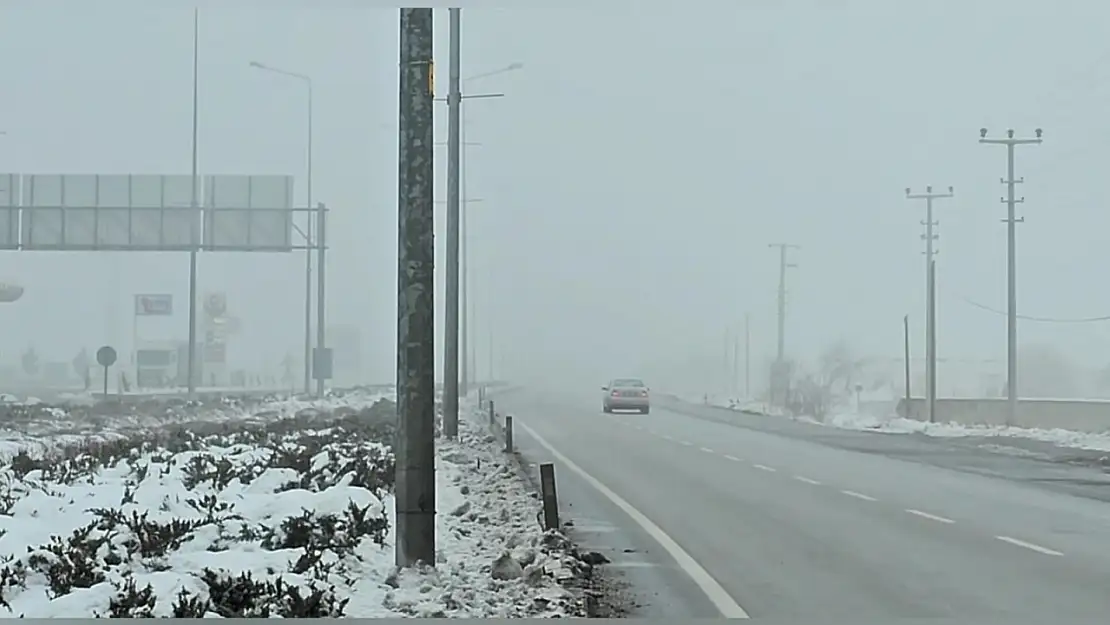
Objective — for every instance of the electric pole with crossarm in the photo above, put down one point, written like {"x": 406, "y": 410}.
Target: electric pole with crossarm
{"x": 779, "y": 382}
{"x": 930, "y": 294}
{"x": 1011, "y": 257}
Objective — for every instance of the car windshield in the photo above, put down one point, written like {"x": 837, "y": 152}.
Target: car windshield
{"x": 626, "y": 383}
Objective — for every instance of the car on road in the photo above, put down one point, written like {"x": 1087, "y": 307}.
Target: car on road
{"x": 626, "y": 394}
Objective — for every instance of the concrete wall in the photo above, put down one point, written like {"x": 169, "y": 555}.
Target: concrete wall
{"x": 1069, "y": 414}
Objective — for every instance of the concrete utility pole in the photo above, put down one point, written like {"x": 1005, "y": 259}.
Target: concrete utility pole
{"x": 747, "y": 356}
{"x": 416, "y": 391}
{"x": 1011, "y": 265}
{"x": 931, "y": 343}
{"x": 321, "y": 221}
{"x": 191, "y": 378}
{"x": 778, "y": 381}
{"x": 930, "y": 292}
{"x": 451, "y": 320}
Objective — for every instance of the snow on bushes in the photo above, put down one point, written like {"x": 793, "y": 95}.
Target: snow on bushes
{"x": 265, "y": 520}
{"x": 286, "y": 512}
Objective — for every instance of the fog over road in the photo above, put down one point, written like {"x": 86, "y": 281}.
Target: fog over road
{"x": 794, "y": 519}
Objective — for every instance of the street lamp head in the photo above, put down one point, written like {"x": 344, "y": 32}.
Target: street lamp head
{"x": 929, "y": 189}
{"x": 982, "y": 133}
{"x": 1010, "y": 133}
{"x": 951, "y": 190}
{"x": 514, "y": 67}
{"x": 907, "y": 190}
{"x": 1038, "y": 132}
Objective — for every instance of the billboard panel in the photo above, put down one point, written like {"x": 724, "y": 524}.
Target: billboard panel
{"x": 108, "y": 212}
{"x": 248, "y": 213}
{"x": 149, "y": 305}
{"x": 9, "y": 211}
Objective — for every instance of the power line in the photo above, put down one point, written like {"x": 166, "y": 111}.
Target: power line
{"x": 1031, "y": 318}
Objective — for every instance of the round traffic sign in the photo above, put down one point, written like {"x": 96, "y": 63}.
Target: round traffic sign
{"x": 106, "y": 356}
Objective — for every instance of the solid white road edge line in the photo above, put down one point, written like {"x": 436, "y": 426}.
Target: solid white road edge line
{"x": 1029, "y": 546}
{"x": 716, "y": 593}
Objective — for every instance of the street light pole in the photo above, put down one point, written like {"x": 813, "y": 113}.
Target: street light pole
{"x": 307, "y": 82}
{"x": 453, "y": 361}
{"x": 451, "y": 314}
{"x": 191, "y": 377}
{"x": 469, "y": 356}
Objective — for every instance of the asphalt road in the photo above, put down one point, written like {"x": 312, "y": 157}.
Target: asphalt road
{"x": 799, "y": 521}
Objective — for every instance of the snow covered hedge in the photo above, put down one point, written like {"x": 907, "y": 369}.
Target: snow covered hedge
{"x": 268, "y": 515}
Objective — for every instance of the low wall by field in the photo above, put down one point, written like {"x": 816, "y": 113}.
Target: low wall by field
{"x": 1080, "y": 415}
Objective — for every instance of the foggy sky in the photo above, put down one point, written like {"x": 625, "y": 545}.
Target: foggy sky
{"x": 631, "y": 179}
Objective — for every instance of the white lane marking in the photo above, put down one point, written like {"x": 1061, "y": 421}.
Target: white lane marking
{"x": 687, "y": 443}
{"x": 852, "y": 493}
{"x": 802, "y": 478}
{"x": 594, "y": 529}
{"x": 732, "y": 458}
{"x": 708, "y": 450}
{"x": 763, "y": 467}
{"x": 716, "y": 593}
{"x": 633, "y": 564}
{"x": 1030, "y": 546}
{"x": 931, "y": 517}
{"x": 667, "y": 437}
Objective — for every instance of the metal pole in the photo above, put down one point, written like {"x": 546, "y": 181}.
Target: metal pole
{"x": 747, "y": 356}
{"x": 464, "y": 247}
{"x": 415, "y": 488}
{"x": 931, "y": 357}
{"x": 195, "y": 221}
{"x": 1011, "y": 290}
{"x": 451, "y": 358}
{"x": 778, "y": 378}
{"x": 1011, "y": 262}
{"x": 906, "y": 335}
{"x": 782, "y": 304}
{"x": 309, "y": 245}
{"x": 489, "y": 355}
{"x": 308, "y": 256}
{"x": 321, "y": 216}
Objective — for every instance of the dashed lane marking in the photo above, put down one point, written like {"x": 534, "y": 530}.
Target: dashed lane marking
{"x": 1029, "y": 546}
{"x": 802, "y": 478}
{"x": 732, "y": 458}
{"x": 708, "y": 450}
{"x": 852, "y": 493}
{"x": 931, "y": 517}
{"x": 763, "y": 467}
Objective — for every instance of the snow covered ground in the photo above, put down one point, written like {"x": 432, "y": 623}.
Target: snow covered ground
{"x": 854, "y": 420}
{"x": 277, "y": 509}
{"x": 733, "y": 403}
{"x": 895, "y": 424}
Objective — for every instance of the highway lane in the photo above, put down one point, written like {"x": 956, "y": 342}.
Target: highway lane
{"x": 795, "y": 528}
{"x": 1065, "y": 470}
